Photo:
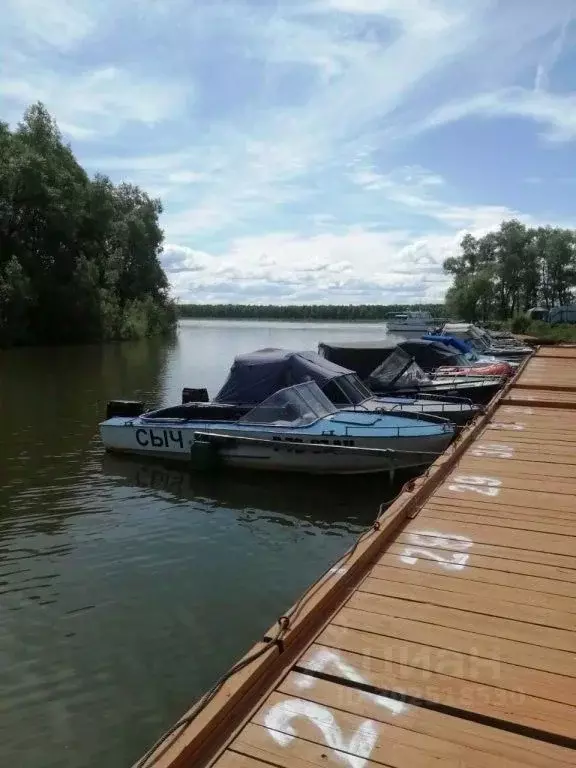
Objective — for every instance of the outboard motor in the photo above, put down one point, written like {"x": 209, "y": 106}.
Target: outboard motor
{"x": 128, "y": 408}
{"x": 190, "y": 395}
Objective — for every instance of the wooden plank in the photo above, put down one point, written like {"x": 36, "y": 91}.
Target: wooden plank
{"x": 470, "y": 572}
{"x": 231, "y": 759}
{"x": 498, "y": 649}
{"x": 457, "y": 664}
{"x": 290, "y": 751}
{"x": 531, "y": 614}
{"x": 509, "y": 482}
{"x": 422, "y": 558}
{"x": 508, "y": 521}
{"x": 460, "y": 618}
{"x": 485, "y": 534}
{"x": 511, "y": 497}
{"x": 532, "y": 452}
{"x": 487, "y": 509}
{"x": 503, "y": 747}
{"x": 518, "y": 468}
{"x": 452, "y": 582}
{"x": 440, "y": 539}
{"x": 382, "y": 742}
{"x": 489, "y": 701}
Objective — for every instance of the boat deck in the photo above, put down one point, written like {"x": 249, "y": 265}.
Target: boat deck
{"x": 447, "y": 636}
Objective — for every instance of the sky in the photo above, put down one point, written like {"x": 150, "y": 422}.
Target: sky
{"x": 310, "y": 151}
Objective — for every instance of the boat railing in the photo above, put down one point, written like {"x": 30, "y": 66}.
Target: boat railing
{"x": 221, "y": 440}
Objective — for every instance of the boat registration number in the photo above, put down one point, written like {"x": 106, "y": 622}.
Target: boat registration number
{"x": 319, "y": 441}
{"x": 159, "y": 438}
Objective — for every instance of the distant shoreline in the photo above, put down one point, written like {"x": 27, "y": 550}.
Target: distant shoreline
{"x": 364, "y": 313}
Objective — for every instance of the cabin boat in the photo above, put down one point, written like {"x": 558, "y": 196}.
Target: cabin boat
{"x": 296, "y": 429}
{"x": 258, "y": 374}
{"x": 387, "y": 369}
{"x": 484, "y": 343}
{"x": 415, "y": 322}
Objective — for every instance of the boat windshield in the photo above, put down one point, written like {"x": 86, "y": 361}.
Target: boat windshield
{"x": 347, "y": 390}
{"x": 291, "y": 407}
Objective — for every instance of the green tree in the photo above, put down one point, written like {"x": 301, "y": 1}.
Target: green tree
{"x": 79, "y": 257}
{"x": 507, "y": 271}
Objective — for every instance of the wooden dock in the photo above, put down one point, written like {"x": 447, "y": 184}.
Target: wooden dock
{"x": 447, "y": 636}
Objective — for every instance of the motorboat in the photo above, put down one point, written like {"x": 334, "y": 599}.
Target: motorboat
{"x": 467, "y": 352}
{"x": 483, "y": 343}
{"x": 414, "y": 322}
{"x": 296, "y": 429}
{"x": 440, "y": 358}
{"x": 258, "y": 374}
{"x": 387, "y": 369}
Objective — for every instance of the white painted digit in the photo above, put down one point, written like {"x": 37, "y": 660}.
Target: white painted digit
{"x": 457, "y": 560}
{"x": 323, "y": 658}
{"x": 496, "y": 450}
{"x": 486, "y": 486}
{"x": 513, "y": 426}
{"x": 354, "y": 752}
{"x": 518, "y": 409}
{"x": 425, "y": 539}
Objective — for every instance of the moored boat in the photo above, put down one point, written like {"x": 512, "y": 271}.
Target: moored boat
{"x": 256, "y": 375}
{"x": 387, "y": 369}
{"x": 413, "y": 322}
{"x": 296, "y": 429}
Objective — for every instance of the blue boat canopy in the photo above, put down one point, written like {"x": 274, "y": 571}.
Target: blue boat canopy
{"x": 257, "y": 375}
{"x": 451, "y": 341}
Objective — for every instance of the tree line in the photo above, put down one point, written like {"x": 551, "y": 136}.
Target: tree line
{"x": 79, "y": 256}
{"x": 508, "y": 271}
{"x": 360, "y": 312}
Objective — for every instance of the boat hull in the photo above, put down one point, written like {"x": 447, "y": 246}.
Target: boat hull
{"x": 276, "y": 451}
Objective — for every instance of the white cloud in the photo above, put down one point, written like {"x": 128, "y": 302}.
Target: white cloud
{"x": 555, "y": 111}
{"x": 61, "y": 24}
{"x": 422, "y": 16}
{"x": 96, "y": 103}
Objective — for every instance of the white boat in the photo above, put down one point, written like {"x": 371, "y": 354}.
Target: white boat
{"x": 296, "y": 429}
{"x": 419, "y": 322}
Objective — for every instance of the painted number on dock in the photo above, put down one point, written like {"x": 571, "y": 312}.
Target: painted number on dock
{"x": 515, "y": 426}
{"x": 352, "y": 749}
{"x": 485, "y": 486}
{"x": 493, "y": 450}
{"x": 423, "y": 543}
{"x": 159, "y": 438}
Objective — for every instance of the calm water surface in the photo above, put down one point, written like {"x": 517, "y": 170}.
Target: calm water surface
{"x": 127, "y": 588}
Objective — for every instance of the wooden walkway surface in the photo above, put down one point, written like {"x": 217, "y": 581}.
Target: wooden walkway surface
{"x": 456, "y": 646}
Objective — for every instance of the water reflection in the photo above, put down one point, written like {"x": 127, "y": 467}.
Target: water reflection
{"x": 324, "y": 502}
{"x": 127, "y": 587}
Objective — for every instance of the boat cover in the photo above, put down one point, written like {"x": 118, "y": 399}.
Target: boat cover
{"x": 360, "y": 356}
{"x": 257, "y": 375}
{"x": 452, "y": 341}
{"x": 430, "y": 354}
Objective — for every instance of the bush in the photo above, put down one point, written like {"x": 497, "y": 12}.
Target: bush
{"x": 520, "y": 324}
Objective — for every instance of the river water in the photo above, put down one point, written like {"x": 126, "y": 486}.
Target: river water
{"x": 128, "y": 588}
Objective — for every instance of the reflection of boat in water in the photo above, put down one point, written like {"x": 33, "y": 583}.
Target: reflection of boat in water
{"x": 295, "y": 429}
{"x": 344, "y": 499}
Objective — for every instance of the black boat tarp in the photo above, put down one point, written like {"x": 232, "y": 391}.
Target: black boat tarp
{"x": 257, "y": 375}
{"x": 360, "y": 356}
{"x": 432, "y": 354}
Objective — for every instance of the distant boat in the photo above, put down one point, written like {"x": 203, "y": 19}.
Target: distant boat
{"x": 296, "y": 429}
{"x": 419, "y": 322}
